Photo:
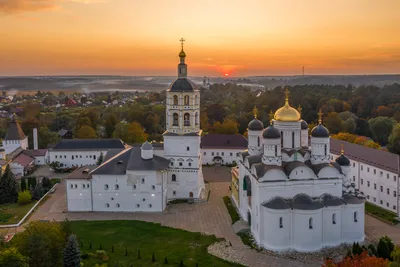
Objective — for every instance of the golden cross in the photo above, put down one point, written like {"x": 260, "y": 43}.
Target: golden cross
{"x": 255, "y": 111}
{"x": 320, "y": 116}
{"x": 299, "y": 109}
{"x": 182, "y": 41}
{"x": 342, "y": 149}
{"x": 286, "y": 94}
{"x": 271, "y": 115}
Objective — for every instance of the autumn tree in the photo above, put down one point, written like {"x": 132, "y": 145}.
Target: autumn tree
{"x": 333, "y": 122}
{"x": 47, "y": 137}
{"x": 362, "y": 260}
{"x": 86, "y": 132}
{"x": 381, "y": 128}
{"x": 394, "y": 140}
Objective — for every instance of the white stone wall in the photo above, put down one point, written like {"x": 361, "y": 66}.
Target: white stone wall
{"x": 76, "y": 157}
{"x": 17, "y": 169}
{"x": 40, "y": 160}
{"x": 255, "y": 142}
{"x": 228, "y": 155}
{"x": 369, "y": 180}
{"x": 79, "y": 194}
{"x": 318, "y": 145}
{"x": 352, "y": 231}
{"x": 287, "y": 129}
{"x": 129, "y": 193}
{"x": 332, "y": 229}
{"x": 193, "y": 108}
{"x": 11, "y": 145}
{"x": 272, "y": 236}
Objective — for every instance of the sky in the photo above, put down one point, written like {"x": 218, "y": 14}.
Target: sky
{"x": 234, "y": 37}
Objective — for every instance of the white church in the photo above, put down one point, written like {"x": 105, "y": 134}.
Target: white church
{"x": 290, "y": 193}
{"x": 134, "y": 179}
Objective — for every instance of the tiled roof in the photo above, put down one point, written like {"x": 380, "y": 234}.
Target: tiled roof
{"x": 23, "y": 160}
{"x": 374, "y": 157}
{"x": 89, "y": 144}
{"x": 14, "y": 131}
{"x": 227, "y": 141}
{"x": 82, "y": 172}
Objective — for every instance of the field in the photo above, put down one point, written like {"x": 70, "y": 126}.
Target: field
{"x": 126, "y": 238}
{"x": 13, "y": 213}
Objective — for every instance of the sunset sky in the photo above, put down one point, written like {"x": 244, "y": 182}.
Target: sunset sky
{"x": 241, "y": 38}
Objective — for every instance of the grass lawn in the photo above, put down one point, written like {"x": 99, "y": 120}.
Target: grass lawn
{"x": 149, "y": 238}
{"x": 381, "y": 213}
{"x": 231, "y": 209}
{"x": 13, "y": 213}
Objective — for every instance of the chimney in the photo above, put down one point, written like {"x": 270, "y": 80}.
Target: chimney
{"x": 147, "y": 150}
{"x": 35, "y": 139}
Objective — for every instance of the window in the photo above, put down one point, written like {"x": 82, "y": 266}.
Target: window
{"x": 280, "y": 222}
{"x": 116, "y": 187}
{"x": 180, "y": 163}
{"x": 76, "y": 186}
{"x": 153, "y": 187}
{"x": 144, "y": 200}
{"x": 374, "y": 186}
{"x": 212, "y": 153}
{"x": 394, "y": 178}
{"x": 134, "y": 187}
{"x": 80, "y": 156}
{"x": 326, "y": 149}
{"x": 362, "y": 181}
{"x": 187, "y": 148}
{"x": 186, "y": 119}
{"x": 175, "y": 118}
{"x": 367, "y": 196}
{"x": 394, "y": 207}
{"x": 174, "y": 193}
{"x": 374, "y": 199}
{"x": 107, "y": 205}
{"x": 310, "y": 226}
{"x": 381, "y": 188}
{"x": 354, "y": 178}
{"x": 117, "y": 205}
{"x": 222, "y": 153}
{"x": 293, "y": 141}
{"x": 94, "y": 156}
{"x": 367, "y": 169}
{"x": 72, "y": 186}
{"x": 87, "y": 186}
{"x": 106, "y": 187}
{"x": 186, "y": 100}
{"x": 172, "y": 164}
{"x": 217, "y": 153}
{"x": 83, "y": 186}
{"x": 258, "y": 141}
{"x": 394, "y": 194}
{"x": 204, "y": 153}
{"x": 173, "y": 178}
{"x": 175, "y": 100}
{"x": 387, "y": 204}
{"x": 368, "y": 183}
{"x": 190, "y": 164}
{"x": 237, "y": 154}
{"x": 355, "y": 216}
{"x": 137, "y": 205}
{"x": 196, "y": 118}
{"x": 388, "y": 191}
{"x": 362, "y": 167}
{"x": 150, "y": 206}
{"x": 374, "y": 171}
{"x": 231, "y": 154}
{"x": 142, "y": 180}
{"x": 56, "y": 156}
{"x": 387, "y": 176}
{"x": 65, "y": 156}
{"x": 334, "y": 218}
{"x": 72, "y": 157}
{"x": 354, "y": 164}
{"x": 381, "y": 202}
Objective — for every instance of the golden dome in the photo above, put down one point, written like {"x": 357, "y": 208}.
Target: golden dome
{"x": 287, "y": 113}
{"x": 182, "y": 53}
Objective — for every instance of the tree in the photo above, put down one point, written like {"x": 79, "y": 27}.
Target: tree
{"x": 121, "y": 131}
{"x": 100, "y": 160}
{"x": 228, "y": 127}
{"x": 72, "y": 254}
{"x": 394, "y": 140}
{"x": 37, "y": 192}
{"x": 86, "y": 132}
{"x": 333, "y": 122}
{"x": 46, "y": 184}
{"x": 24, "y": 197}
{"x": 136, "y": 133}
{"x": 47, "y": 137}
{"x": 23, "y": 184}
{"x": 362, "y": 260}
{"x": 8, "y": 187}
{"x": 385, "y": 247}
{"x": 12, "y": 258}
{"x": 381, "y": 127}
{"x": 42, "y": 243}
{"x": 110, "y": 123}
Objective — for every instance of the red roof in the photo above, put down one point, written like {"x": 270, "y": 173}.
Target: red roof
{"x": 23, "y": 160}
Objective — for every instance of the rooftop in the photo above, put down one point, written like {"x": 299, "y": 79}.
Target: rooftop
{"x": 35, "y": 153}
{"x": 82, "y": 172}
{"x": 89, "y": 144}
{"x": 228, "y": 141}
{"x": 14, "y": 131}
{"x": 23, "y": 160}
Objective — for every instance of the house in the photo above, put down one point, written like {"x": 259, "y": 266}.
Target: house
{"x": 22, "y": 165}
{"x": 40, "y": 155}
{"x": 222, "y": 148}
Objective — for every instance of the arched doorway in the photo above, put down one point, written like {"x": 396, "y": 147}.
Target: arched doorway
{"x": 218, "y": 160}
{"x": 191, "y": 194}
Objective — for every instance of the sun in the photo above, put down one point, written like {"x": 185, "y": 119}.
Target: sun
{"x": 226, "y": 74}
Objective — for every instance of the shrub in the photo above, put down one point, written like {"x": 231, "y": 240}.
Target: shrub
{"x": 24, "y": 197}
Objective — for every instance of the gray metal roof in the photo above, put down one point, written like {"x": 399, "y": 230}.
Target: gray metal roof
{"x": 147, "y": 146}
{"x": 185, "y": 134}
{"x": 89, "y": 144}
{"x": 305, "y": 202}
{"x": 254, "y": 159}
{"x": 262, "y": 169}
{"x": 290, "y": 166}
{"x": 228, "y": 141}
{"x": 277, "y": 203}
{"x": 255, "y": 125}
{"x": 14, "y": 131}
{"x": 350, "y": 199}
{"x": 320, "y": 131}
{"x": 131, "y": 159}
{"x": 329, "y": 200}
{"x": 182, "y": 85}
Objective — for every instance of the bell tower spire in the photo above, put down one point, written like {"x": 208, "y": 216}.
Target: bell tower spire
{"x": 182, "y": 67}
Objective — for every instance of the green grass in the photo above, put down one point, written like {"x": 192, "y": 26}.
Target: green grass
{"x": 385, "y": 215}
{"x": 149, "y": 238}
{"x": 13, "y": 213}
{"x": 247, "y": 239}
{"x": 231, "y": 209}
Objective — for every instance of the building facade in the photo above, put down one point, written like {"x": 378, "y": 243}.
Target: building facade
{"x": 291, "y": 194}
{"x": 222, "y": 149}
{"x": 15, "y": 137}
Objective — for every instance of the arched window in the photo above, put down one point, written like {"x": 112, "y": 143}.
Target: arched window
{"x": 280, "y": 222}
{"x": 173, "y": 178}
{"x": 106, "y": 187}
{"x": 107, "y": 205}
{"x": 117, "y": 205}
{"x": 195, "y": 100}
{"x": 334, "y": 218}
{"x": 175, "y": 100}
{"x": 310, "y": 226}
{"x": 258, "y": 141}
{"x": 282, "y": 138}
{"x": 326, "y": 149}
{"x": 116, "y": 187}
{"x": 276, "y": 150}
{"x": 186, "y": 119}
{"x": 175, "y": 119}
{"x": 186, "y": 100}
{"x": 191, "y": 194}
{"x": 292, "y": 139}
{"x": 355, "y": 216}
{"x": 196, "y": 118}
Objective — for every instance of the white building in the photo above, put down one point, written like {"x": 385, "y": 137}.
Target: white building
{"x": 374, "y": 172}
{"x": 222, "y": 148}
{"x": 81, "y": 152}
{"x": 15, "y": 137}
{"x": 140, "y": 179}
{"x": 292, "y": 195}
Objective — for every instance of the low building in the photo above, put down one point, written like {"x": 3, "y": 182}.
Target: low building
{"x": 374, "y": 172}
{"x": 222, "y": 148}
{"x": 15, "y": 137}
{"x": 22, "y": 165}
{"x": 40, "y": 155}
{"x": 81, "y": 152}
{"x": 129, "y": 181}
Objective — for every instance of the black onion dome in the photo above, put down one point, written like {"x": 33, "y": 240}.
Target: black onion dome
{"x": 255, "y": 125}
{"x": 182, "y": 85}
{"x": 304, "y": 125}
{"x": 271, "y": 133}
{"x": 319, "y": 131}
{"x": 342, "y": 160}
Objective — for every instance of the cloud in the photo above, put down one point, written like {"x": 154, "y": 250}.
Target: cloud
{"x": 20, "y": 6}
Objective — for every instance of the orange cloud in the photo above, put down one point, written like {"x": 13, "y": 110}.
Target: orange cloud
{"x": 19, "y": 6}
